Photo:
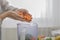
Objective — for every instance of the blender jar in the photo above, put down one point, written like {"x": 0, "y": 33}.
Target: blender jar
{"x": 27, "y": 31}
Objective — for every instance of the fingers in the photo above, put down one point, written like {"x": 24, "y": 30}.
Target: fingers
{"x": 24, "y": 10}
{"x": 16, "y": 16}
{"x": 13, "y": 13}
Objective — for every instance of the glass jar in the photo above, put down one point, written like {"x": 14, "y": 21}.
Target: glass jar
{"x": 27, "y": 31}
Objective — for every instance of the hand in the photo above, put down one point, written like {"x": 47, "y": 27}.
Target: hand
{"x": 12, "y": 15}
{"x": 15, "y": 15}
{"x": 24, "y": 14}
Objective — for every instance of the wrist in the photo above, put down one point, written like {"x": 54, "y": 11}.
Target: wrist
{"x": 3, "y": 16}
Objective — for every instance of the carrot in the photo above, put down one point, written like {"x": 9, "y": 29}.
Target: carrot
{"x": 25, "y": 15}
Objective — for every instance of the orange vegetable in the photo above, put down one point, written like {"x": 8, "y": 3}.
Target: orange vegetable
{"x": 25, "y": 15}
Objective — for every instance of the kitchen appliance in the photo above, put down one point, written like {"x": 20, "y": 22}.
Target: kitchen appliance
{"x": 27, "y": 31}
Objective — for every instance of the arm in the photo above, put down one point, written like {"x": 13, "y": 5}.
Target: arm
{"x": 6, "y": 7}
{"x": 10, "y": 11}
{"x": 11, "y": 14}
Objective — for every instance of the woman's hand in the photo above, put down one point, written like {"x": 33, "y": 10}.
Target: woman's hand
{"x": 24, "y": 14}
{"x": 13, "y": 15}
